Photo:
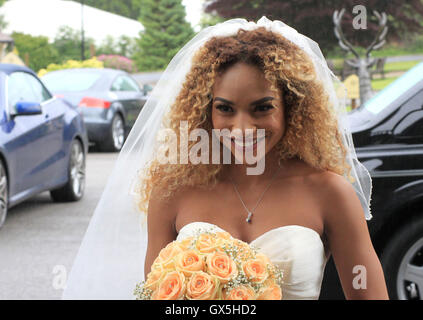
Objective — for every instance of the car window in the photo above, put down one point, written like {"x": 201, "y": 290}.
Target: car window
{"x": 394, "y": 90}
{"x": 18, "y": 89}
{"x": 70, "y": 80}
{"x": 123, "y": 83}
{"x": 415, "y": 127}
{"x": 23, "y": 86}
{"x": 41, "y": 94}
{"x": 411, "y": 125}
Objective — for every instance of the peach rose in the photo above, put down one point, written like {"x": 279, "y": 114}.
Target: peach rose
{"x": 185, "y": 244}
{"x": 167, "y": 254}
{"x": 263, "y": 258}
{"x": 206, "y": 243}
{"x": 172, "y": 287}
{"x": 222, "y": 240}
{"x": 202, "y": 286}
{"x": 223, "y": 235}
{"x": 153, "y": 278}
{"x": 270, "y": 292}
{"x": 244, "y": 250}
{"x": 222, "y": 266}
{"x": 255, "y": 270}
{"x": 241, "y": 245}
{"x": 188, "y": 262}
{"x": 240, "y": 293}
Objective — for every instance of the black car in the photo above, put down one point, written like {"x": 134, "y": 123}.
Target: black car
{"x": 388, "y": 137}
{"x": 109, "y": 100}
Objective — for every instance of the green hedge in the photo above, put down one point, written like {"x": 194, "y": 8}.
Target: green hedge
{"x": 37, "y": 50}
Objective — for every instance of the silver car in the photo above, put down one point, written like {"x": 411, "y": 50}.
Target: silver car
{"x": 108, "y": 99}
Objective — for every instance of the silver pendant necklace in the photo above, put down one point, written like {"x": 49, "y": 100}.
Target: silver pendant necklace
{"x": 251, "y": 212}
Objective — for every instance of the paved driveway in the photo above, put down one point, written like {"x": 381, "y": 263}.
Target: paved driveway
{"x": 40, "y": 238}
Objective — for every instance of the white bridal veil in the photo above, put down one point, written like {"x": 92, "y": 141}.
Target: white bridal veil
{"x": 110, "y": 260}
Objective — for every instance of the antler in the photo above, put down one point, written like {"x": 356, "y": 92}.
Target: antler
{"x": 343, "y": 42}
{"x": 379, "y": 40}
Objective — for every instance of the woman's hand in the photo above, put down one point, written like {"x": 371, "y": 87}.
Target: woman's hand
{"x": 349, "y": 241}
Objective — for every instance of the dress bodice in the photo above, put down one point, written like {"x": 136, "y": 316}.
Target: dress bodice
{"x": 298, "y": 250}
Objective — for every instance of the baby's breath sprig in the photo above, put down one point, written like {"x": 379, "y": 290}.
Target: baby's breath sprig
{"x": 254, "y": 249}
{"x": 257, "y": 286}
{"x": 192, "y": 244}
{"x": 142, "y": 293}
{"x": 240, "y": 279}
{"x": 231, "y": 251}
{"x": 277, "y": 273}
{"x": 212, "y": 231}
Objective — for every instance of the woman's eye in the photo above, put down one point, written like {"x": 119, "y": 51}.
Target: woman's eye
{"x": 264, "y": 107}
{"x": 224, "y": 108}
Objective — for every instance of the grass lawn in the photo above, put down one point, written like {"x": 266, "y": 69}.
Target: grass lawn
{"x": 400, "y": 66}
{"x": 389, "y": 67}
{"x": 386, "y": 51}
{"x": 395, "y": 51}
{"x": 397, "y": 67}
{"x": 379, "y": 84}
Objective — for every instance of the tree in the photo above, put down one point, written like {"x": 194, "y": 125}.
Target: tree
{"x": 68, "y": 43}
{"x": 126, "y": 8}
{"x": 314, "y": 17}
{"x": 208, "y": 19}
{"x": 3, "y": 22}
{"x": 166, "y": 31}
{"x": 38, "y": 50}
{"x": 124, "y": 46}
{"x": 108, "y": 46}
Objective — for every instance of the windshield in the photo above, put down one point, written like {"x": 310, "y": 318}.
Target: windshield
{"x": 70, "y": 80}
{"x": 394, "y": 90}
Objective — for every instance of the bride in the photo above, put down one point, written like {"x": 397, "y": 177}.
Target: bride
{"x": 269, "y": 87}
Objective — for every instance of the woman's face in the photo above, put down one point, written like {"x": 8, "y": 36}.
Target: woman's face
{"x": 242, "y": 100}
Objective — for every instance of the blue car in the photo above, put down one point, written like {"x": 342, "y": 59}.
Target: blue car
{"x": 43, "y": 141}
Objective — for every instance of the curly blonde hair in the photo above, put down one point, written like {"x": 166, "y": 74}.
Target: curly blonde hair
{"x": 311, "y": 134}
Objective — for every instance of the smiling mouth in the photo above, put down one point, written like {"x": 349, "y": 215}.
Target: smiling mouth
{"x": 239, "y": 143}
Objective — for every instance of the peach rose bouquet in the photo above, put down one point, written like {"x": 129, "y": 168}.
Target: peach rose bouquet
{"x": 211, "y": 266}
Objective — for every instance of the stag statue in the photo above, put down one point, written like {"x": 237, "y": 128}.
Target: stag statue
{"x": 362, "y": 65}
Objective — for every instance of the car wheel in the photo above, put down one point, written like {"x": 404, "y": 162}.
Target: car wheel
{"x": 402, "y": 261}
{"x": 116, "y": 135}
{"x": 73, "y": 190}
{"x": 3, "y": 194}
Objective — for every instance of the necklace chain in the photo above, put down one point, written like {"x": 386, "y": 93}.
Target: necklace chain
{"x": 250, "y": 213}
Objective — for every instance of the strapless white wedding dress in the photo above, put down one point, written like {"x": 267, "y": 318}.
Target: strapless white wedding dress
{"x": 298, "y": 250}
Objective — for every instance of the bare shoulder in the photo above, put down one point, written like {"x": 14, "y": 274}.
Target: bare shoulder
{"x": 333, "y": 184}
{"x": 161, "y": 207}
{"x": 333, "y": 192}
{"x": 165, "y": 207}
{"x": 339, "y": 201}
